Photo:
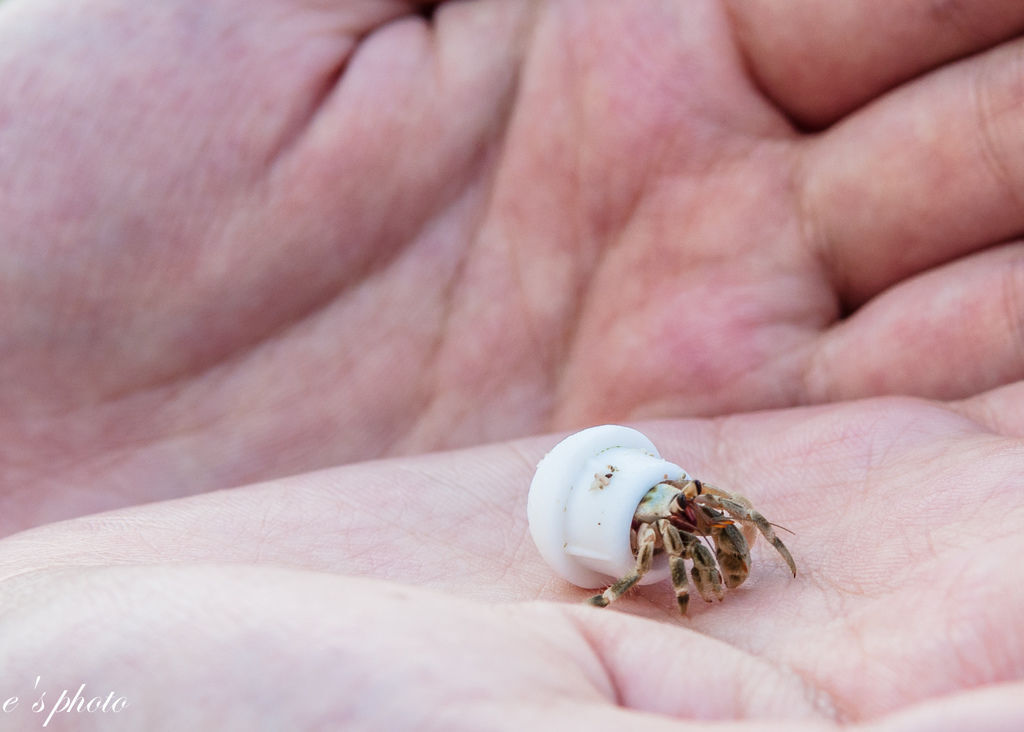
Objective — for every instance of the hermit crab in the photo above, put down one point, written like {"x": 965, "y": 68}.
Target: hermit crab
{"x": 606, "y": 511}
{"x": 674, "y": 516}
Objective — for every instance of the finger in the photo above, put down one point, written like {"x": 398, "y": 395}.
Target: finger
{"x": 283, "y": 649}
{"x": 1001, "y": 409}
{"x": 454, "y": 521}
{"x": 949, "y": 333}
{"x": 280, "y": 644}
{"x": 930, "y": 173}
{"x": 988, "y": 709}
{"x": 820, "y": 60}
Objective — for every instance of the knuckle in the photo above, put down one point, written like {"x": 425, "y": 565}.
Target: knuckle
{"x": 998, "y": 94}
{"x": 1013, "y": 304}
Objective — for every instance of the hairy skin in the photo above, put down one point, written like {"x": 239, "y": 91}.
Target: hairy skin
{"x": 383, "y": 595}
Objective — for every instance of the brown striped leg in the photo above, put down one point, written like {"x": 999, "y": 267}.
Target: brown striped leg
{"x": 646, "y": 541}
{"x": 718, "y": 498}
{"x": 675, "y": 549}
{"x": 731, "y": 551}
{"x": 705, "y": 572}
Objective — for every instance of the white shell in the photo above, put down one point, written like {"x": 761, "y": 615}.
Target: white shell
{"x": 582, "y": 501}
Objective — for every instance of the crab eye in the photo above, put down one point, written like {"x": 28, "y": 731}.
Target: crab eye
{"x": 700, "y": 486}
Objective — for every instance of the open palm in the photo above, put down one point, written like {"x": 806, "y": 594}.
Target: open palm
{"x": 407, "y": 594}
{"x": 242, "y": 240}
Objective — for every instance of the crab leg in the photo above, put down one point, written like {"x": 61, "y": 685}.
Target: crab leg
{"x": 731, "y": 550}
{"x": 704, "y": 572}
{"x": 675, "y": 548}
{"x": 718, "y": 498}
{"x": 646, "y": 541}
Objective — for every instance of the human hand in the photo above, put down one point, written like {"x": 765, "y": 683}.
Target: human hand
{"x": 407, "y": 594}
{"x": 243, "y": 240}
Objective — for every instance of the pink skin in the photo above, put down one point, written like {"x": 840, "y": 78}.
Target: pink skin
{"x": 407, "y": 593}
{"x": 243, "y": 240}
{"x": 241, "y": 244}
